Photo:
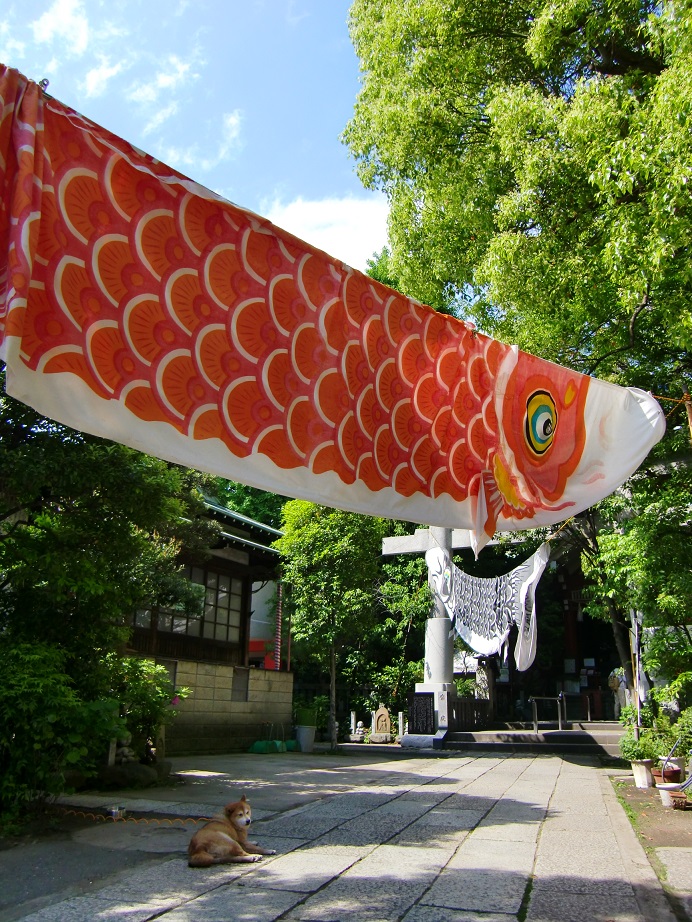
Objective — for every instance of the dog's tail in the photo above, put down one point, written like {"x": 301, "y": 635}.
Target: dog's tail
{"x": 201, "y": 859}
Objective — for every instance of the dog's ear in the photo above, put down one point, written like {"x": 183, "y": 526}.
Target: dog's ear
{"x": 243, "y": 798}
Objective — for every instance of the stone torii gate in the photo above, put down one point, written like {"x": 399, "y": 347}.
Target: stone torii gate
{"x": 439, "y": 640}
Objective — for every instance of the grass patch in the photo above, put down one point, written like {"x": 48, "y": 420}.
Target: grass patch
{"x": 526, "y": 899}
{"x": 630, "y": 813}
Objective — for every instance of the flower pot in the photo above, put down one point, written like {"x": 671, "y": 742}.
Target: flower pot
{"x": 641, "y": 769}
{"x": 669, "y": 776}
{"x": 665, "y": 791}
{"x": 306, "y": 738}
{"x": 676, "y": 762}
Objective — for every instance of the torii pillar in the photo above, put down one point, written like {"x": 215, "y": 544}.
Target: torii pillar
{"x": 439, "y": 639}
{"x": 439, "y": 646}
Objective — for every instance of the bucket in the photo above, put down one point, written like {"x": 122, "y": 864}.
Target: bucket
{"x": 305, "y": 737}
{"x": 664, "y": 790}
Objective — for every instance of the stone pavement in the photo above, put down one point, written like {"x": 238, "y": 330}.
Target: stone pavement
{"x": 418, "y": 837}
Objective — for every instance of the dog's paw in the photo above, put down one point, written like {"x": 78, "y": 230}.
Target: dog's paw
{"x": 270, "y": 851}
{"x": 256, "y": 857}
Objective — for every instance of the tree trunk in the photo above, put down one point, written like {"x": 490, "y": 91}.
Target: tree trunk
{"x": 332, "y": 695}
{"x": 618, "y": 620}
{"x": 622, "y": 642}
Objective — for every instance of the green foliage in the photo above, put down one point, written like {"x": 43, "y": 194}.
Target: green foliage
{"x": 256, "y": 504}
{"x": 45, "y": 727}
{"x": 663, "y": 735}
{"x": 320, "y": 707}
{"x": 89, "y": 532}
{"x": 640, "y": 561}
{"x": 633, "y": 749}
{"x": 628, "y": 715}
{"x": 330, "y": 560}
{"x": 466, "y": 688}
{"x": 536, "y": 161}
{"x": 379, "y": 267}
{"x": 389, "y": 685}
{"x": 682, "y": 730}
{"x": 146, "y": 696}
{"x": 536, "y": 158}
{"x": 679, "y": 691}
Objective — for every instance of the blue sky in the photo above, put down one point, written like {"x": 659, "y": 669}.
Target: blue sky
{"x": 247, "y": 97}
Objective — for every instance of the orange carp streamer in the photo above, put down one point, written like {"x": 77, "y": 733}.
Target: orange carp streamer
{"x": 139, "y": 306}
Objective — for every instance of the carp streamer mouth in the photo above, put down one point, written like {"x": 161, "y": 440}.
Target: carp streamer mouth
{"x": 540, "y": 422}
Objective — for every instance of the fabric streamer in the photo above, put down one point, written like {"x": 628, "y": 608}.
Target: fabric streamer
{"x": 483, "y": 610}
{"x": 139, "y": 306}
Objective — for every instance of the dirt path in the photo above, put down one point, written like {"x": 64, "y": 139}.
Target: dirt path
{"x": 657, "y": 826}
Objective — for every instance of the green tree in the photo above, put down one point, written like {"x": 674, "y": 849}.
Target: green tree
{"x": 252, "y": 502}
{"x": 536, "y": 159}
{"x": 46, "y": 728}
{"x": 330, "y": 560}
{"x": 635, "y": 553}
{"x": 89, "y": 532}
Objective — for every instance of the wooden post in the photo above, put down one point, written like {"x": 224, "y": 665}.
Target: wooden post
{"x": 277, "y": 634}
{"x": 688, "y": 406}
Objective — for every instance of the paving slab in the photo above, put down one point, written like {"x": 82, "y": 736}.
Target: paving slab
{"x": 548, "y": 906}
{"x": 678, "y": 865}
{"x": 236, "y": 904}
{"x": 305, "y": 870}
{"x": 374, "y": 837}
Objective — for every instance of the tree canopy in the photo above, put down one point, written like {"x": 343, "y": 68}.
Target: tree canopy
{"x": 536, "y": 156}
{"x": 89, "y": 532}
{"x": 330, "y": 559}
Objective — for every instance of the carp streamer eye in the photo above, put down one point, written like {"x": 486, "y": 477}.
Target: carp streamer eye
{"x": 541, "y": 421}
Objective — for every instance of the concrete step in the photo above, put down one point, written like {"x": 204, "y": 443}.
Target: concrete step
{"x": 596, "y": 740}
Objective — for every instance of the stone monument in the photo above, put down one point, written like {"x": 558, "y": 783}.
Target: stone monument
{"x": 381, "y": 726}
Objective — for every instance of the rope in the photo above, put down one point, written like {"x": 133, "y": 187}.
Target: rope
{"x": 564, "y": 525}
{"x": 676, "y": 401}
{"x": 100, "y": 818}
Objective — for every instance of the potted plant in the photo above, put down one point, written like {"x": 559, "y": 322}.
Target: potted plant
{"x": 669, "y": 768}
{"x": 641, "y": 753}
{"x": 682, "y": 731}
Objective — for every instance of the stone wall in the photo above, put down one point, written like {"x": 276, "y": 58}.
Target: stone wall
{"x": 215, "y": 719}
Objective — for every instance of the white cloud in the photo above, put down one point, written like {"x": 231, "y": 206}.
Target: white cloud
{"x": 97, "y": 78}
{"x": 64, "y": 20}
{"x": 350, "y": 229}
{"x": 173, "y": 74}
{"x": 191, "y": 159}
{"x": 161, "y": 116}
{"x": 11, "y": 47}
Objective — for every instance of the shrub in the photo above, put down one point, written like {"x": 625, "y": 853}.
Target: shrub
{"x": 466, "y": 688}
{"x": 682, "y": 730}
{"x": 628, "y": 715}
{"x": 634, "y": 750}
{"x": 663, "y": 735}
{"x": 146, "y": 696}
{"x": 45, "y": 728}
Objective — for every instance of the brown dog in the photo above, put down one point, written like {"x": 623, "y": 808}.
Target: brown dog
{"x": 224, "y": 840}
